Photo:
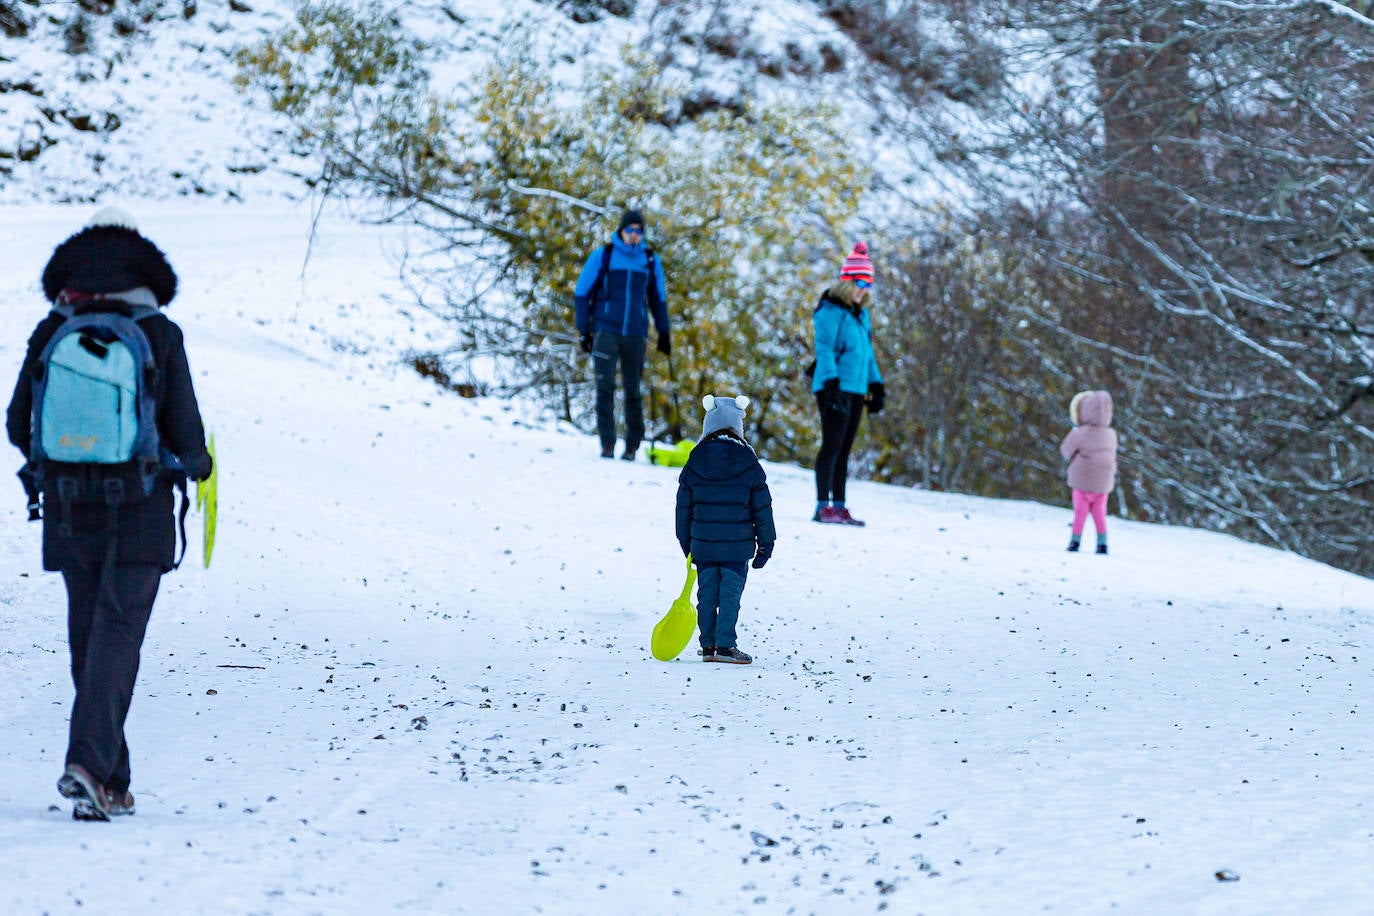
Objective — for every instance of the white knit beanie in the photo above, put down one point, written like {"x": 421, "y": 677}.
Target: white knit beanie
{"x": 113, "y": 216}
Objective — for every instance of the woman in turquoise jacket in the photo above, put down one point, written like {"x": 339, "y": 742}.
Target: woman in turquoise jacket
{"x": 846, "y": 380}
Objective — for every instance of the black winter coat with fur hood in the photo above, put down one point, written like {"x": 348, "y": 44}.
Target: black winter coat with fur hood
{"x": 99, "y": 261}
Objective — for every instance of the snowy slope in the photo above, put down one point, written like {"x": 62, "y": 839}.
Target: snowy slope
{"x": 417, "y": 676}
{"x": 154, "y": 114}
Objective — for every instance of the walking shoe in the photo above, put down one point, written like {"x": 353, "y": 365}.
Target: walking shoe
{"x": 730, "y": 655}
{"x": 1102, "y": 548}
{"x": 845, "y": 518}
{"x": 707, "y": 653}
{"x": 826, "y": 515}
{"x": 608, "y": 451}
{"x": 78, "y": 785}
{"x": 1073, "y": 545}
{"x": 119, "y": 804}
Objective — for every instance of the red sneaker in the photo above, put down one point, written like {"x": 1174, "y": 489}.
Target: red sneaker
{"x": 827, "y": 515}
{"x": 844, "y": 518}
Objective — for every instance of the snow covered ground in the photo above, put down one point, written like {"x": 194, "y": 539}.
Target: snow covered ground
{"x": 417, "y": 676}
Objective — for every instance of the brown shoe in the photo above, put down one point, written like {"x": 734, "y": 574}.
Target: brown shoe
{"x": 731, "y": 656}
{"x": 77, "y": 784}
{"x": 119, "y": 804}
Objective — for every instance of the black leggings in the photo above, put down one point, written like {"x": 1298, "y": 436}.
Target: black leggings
{"x": 838, "y": 429}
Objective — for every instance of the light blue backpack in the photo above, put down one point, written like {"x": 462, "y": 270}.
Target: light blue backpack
{"x": 94, "y": 423}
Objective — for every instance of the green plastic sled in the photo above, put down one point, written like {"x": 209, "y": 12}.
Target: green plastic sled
{"x": 207, "y": 501}
{"x": 674, "y": 631}
{"x": 671, "y": 456}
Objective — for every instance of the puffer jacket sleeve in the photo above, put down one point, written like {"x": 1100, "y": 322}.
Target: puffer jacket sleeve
{"x": 1069, "y": 446}
{"x": 684, "y": 508}
{"x": 179, "y": 421}
{"x": 874, "y": 376}
{"x": 582, "y": 292}
{"x": 761, "y": 509}
{"x": 657, "y": 292}
{"x": 827, "y": 330}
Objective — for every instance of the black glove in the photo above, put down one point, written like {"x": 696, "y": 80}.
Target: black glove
{"x": 587, "y": 342}
{"x": 665, "y": 346}
{"x": 831, "y": 398}
{"x": 686, "y": 548}
{"x": 199, "y": 467}
{"x": 765, "y": 551}
{"x": 877, "y": 396}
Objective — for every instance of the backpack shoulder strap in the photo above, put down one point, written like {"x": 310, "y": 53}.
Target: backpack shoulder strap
{"x": 602, "y": 272}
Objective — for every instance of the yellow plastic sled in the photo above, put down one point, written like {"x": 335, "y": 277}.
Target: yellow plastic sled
{"x": 671, "y": 456}
{"x": 674, "y": 631}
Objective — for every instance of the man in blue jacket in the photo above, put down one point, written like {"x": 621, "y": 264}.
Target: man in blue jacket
{"x": 618, "y": 286}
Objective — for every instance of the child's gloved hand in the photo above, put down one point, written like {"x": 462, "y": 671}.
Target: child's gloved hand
{"x": 761, "y": 557}
{"x": 686, "y": 548}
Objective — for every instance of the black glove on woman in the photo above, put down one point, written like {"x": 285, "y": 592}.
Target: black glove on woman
{"x": 877, "y": 395}
{"x": 831, "y": 398}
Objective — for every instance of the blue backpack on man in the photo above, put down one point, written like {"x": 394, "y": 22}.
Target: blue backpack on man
{"x": 94, "y": 422}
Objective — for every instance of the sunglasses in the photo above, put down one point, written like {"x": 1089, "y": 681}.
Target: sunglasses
{"x": 634, "y": 230}
{"x": 863, "y": 284}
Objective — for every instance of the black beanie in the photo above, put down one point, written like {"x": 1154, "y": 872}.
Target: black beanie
{"x": 631, "y": 218}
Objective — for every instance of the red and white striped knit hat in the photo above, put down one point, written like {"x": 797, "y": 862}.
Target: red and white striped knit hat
{"x": 858, "y": 266}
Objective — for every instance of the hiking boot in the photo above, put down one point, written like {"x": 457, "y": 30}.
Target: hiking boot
{"x": 608, "y": 451}
{"x": 1073, "y": 546}
{"x": 844, "y": 518}
{"x": 1102, "y": 548}
{"x": 730, "y": 655}
{"x": 629, "y": 454}
{"x": 707, "y": 653}
{"x": 119, "y": 804}
{"x": 826, "y": 515}
{"x": 77, "y": 784}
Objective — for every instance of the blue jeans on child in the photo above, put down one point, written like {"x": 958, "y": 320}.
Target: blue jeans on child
{"x": 720, "y": 586}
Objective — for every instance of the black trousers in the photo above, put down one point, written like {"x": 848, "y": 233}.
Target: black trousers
{"x": 105, "y": 628}
{"x": 608, "y": 349}
{"x": 838, "y": 429}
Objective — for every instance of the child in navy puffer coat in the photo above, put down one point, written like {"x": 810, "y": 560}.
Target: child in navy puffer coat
{"x": 724, "y": 517}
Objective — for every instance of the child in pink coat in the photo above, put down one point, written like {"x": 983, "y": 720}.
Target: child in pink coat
{"x": 1090, "y": 449}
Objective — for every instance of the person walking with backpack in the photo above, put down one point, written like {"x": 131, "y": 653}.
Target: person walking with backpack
{"x": 846, "y": 380}
{"x": 1090, "y": 450}
{"x": 724, "y": 520}
{"x": 620, "y": 284}
{"x": 106, "y": 488}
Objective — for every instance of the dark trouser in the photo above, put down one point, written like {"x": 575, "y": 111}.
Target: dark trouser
{"x": 838, "y": 429}
{"x": 719, "y": 590}
{"x": 609, "y": 348}
{"x": 105, "y": 637}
